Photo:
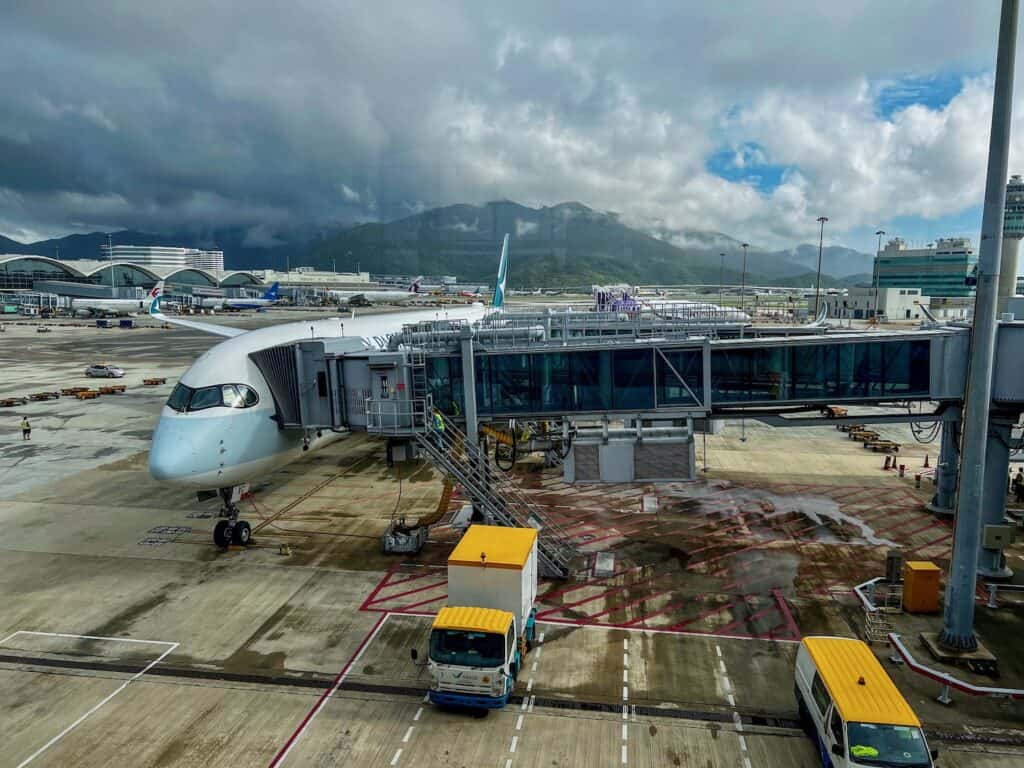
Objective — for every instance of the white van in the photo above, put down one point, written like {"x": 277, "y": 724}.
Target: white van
{"x": 854, "y": 711}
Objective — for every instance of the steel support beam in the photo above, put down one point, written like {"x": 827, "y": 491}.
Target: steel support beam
{"x": 947, "y": 470}
{"x": 993, "y": 499}
{"x": 958, "y": 619}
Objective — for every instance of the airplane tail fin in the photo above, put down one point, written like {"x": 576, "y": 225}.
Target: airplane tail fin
{"x": 271, "y": 294}
{"x": 414, "y": 286}
{"x": 499, "y": 286}
{"x": 154, "y": 298}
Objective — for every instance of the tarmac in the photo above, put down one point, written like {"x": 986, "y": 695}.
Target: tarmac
{"x": 126, "y": 638}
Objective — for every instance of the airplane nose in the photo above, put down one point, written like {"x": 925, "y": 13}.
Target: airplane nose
{"x": 173, "y": 454}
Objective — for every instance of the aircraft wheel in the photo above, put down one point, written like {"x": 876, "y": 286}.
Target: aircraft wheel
{"x": 241, "y": 534}
{"x": 222, "y": 534}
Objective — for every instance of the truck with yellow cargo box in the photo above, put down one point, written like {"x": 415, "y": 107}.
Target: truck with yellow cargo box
{"x": 852, "y": 708}
{"x": 479, "y": 640}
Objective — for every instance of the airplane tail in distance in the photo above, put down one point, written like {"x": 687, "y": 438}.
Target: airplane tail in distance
{"x": 154, "y": 298}
{"x": 414, "y": 286}
{"x": 271, "y": 294}
{"x": 499, "y": 286}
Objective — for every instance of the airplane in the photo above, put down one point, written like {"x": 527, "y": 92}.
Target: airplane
{"x": 218, "y": 430}
{"x": 107, "y": 307}
{"x": 368, "y": 298}
{"x": 270, "y": 297}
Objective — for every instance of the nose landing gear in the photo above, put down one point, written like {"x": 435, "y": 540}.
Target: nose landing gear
{"x": 231, "y": 530}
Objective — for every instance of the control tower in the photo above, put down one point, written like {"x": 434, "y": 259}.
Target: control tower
{"x": 1013, "y": 231}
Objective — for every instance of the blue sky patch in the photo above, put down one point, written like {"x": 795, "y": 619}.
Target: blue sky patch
{"x": 747, "y": 164}
{"x": 934, "y": 91}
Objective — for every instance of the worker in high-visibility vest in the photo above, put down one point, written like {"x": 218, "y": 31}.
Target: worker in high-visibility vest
{"x": 439, "y": 428}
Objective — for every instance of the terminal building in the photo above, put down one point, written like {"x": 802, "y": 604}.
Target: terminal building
{"x": 120, "y": 279}
{"x": 941, "y": 269}
{"x": 166, "y": 256}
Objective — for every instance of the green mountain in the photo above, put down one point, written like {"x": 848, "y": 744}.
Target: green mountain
{"x": 563, "y": 245}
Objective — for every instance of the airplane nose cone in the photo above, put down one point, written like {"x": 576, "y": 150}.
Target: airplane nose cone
{"x": 174, "y": 453}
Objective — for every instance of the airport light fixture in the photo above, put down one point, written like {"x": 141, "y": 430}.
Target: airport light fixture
{"x": 874, "y": 314}
{"x": 821, "y": 243}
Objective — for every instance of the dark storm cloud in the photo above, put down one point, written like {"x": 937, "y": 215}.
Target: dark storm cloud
{"x": 271, "y": 115}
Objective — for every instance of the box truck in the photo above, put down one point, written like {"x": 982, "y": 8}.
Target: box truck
{"x": 479, "y": 640}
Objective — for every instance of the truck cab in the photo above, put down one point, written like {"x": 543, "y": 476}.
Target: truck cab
{"x": 855, "y": 713}
{"x": 474, "y": 657}
{"x": 478, "y": 641}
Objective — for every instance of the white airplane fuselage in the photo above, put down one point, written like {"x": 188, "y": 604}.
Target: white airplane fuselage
{"x": 221, "y": 447}
{"x": 96, "y": 306}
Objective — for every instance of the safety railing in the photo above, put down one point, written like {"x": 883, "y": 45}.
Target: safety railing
{"x": 499, "y": 498}
{"x": 398, "y": 416}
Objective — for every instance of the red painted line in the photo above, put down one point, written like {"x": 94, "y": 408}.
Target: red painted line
{"x": 565, "y": 606}
{"x": 425, "y": 602}
{"x": 435, "y": 585}
{"x": 378, "y": 588}
{"x": 623, "y": 606}
{"x": 598, "y": 582}
{"x": 751, "y": 618}
{"x": 931, "y": 543}
{"x": 887, "y": 531}
{"x": 286, "y": 747}
{"x": 702, "y": 615}
{"x": 411, "y": 578}
{"x": 794, "y": 630}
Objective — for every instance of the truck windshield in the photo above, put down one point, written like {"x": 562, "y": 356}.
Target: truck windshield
{"x": 897, "y": 745}
{"x": 467, "y": 649}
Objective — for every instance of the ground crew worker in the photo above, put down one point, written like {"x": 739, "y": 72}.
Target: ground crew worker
{"x": 439, "y": 427}
{"x": 1018, "y": 486}
{"x": 26, "y": 429}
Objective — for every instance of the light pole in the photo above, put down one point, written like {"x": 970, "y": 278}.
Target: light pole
{"x": 743, "y": 279}
{"x": 874, "y": 315}
{"x": 817, "y": 288}
{"x": 721, "y": 278}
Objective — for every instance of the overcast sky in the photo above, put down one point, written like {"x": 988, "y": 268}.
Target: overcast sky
{"x": 747, "y": 117}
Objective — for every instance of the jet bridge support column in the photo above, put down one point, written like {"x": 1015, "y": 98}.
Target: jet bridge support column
{"x": 469, "y": 383}
{"x": 991, "y": 563}
{"x": 946, "y": 470}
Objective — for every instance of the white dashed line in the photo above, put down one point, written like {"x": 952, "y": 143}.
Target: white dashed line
{"x": 519, "y": 723}
{"x": 743, "y": 743}
{"x": 408, "y": 733}
{"x": 746, "y": 762}
{"x": 530, "y": 708}
{"x": 508, "y": 763}
{"x": 536, "y": 656}
{"x": 732, "y": 700}
{"x": 625, "y": 751}
{"x": 534, "y": 667}
{"x": 736, "y": 717}
{"x": 515, "y": 743}
{"x": 529, "y": 685}
{"x": 625, "y": 675}
{"x": 522, "y": 707}
{"x": 625, "y": 711}
{"x": 417, "y": 715}
{"x": 625, "y": 644}
{"x": 540, "y": 639}
{"x": 718, "y": 650}
{"x": 625, "y": 693}
{"x": 625, "y": 731}
{"x": 394, "y": 760}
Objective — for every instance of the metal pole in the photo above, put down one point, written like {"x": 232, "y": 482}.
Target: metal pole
{"x": 743, "y": 281}
{"x": 721, "y": 279}
{"x": 991, "y": 563}
{"x": 817, "y": 288}
{"x": 874, "y": 314}
{"x": 958, "y": 620}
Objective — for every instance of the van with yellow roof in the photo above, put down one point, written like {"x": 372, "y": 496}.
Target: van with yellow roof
{"x": 856, "y": 713}
{"x": 479, "y": 640}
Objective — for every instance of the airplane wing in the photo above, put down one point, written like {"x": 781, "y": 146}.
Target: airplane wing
{"x": 216, "y": 330}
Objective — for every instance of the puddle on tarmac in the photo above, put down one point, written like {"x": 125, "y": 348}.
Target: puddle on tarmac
{"x": 725, "y": 501}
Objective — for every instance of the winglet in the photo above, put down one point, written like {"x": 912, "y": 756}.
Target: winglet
{"x": 499, "y": 286}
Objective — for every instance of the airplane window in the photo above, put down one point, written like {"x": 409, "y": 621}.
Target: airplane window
{"x": 179, "y": 398}
{"x": 207, "y": 397}
{"x": 232, "y": 397}
{"x": 251, "y": 398}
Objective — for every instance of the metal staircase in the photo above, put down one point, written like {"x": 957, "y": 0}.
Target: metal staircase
{"x": 498, "y": 498}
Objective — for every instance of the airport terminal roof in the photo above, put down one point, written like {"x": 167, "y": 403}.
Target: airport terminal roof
{"x": 89, "y": 267}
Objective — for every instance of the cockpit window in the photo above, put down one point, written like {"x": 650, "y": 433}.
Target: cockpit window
{"x": 225, "y": 395}
{"x": 179, "y": 398}
{"x": 206, "y": 397}
{"x": 232, "y": 398}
